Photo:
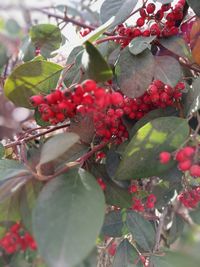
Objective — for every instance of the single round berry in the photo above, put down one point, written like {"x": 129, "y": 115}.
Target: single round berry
{"x": 195, "y": 170}
{"x": 140, "y": 22}
{"x": 164, "y": 157}
{"x": 150, "y": 8}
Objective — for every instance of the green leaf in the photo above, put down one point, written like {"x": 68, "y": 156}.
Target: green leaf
{"x": 27, "y": 50}
{"x": 134, "y": 73}
{"x": 142, "y": 231}
{"x": 113, "y": 224}
{"x": 168, "y": 70}
{"x": 11, "y": 168}
{"x": 3, "y": 55}
{"x": 31, "y": 78}
{"x": 69, "y": 211}
{"x": 120, "y": 9}
{"x": 90, "y": 261}
{"x": 176, "y": 229}
{"x": 112, "y": 162}
{"x": 12, "y": 27}
{"x": 57, "y": 146}
{"x": 2, "y": 151}
{"x": 177, "y": 45}
{"x": 126, "y": 255}
{"x": 195, "y": 5}
{"x": 140, "y": 158}
{"x": 18, "y": 260}
{"x": 47, "y": 37}
{"x": 169, "y": 111}
{"x": 174, "y": 259}
{"x": 192, "y": 98}
{"x": 27, "y": 199}
{"x": 73, "y": 74}
{"x": 195, "y": 215}
{"x": 139, "y": 44}
{"x": 95, "y": 65}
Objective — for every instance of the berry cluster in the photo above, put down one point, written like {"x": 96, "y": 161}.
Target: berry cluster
{"x": 138, "y": 205}
{"x": 87, "y": 98}
{"x": 190, "y": 198}
{"x": 186, "y": 160}
{"x": 161, "y": 22}
{"x": 106, "y": 106}
{"x": 17, "y": 239}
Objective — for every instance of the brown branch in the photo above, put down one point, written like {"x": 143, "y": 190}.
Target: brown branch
{"x": 29, "y": 138}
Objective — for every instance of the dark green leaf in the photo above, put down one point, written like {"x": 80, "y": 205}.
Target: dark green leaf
{"x": 195, "y": 215}
{"x": 95, "y": 65}
{"x": 113, "y": 224}
{"x": 168, "y": 70}
{"x": 177, "y": 45}
{"x": 192, "y": 98}
{"x": 176, "y": 229}
{"x": 27, "y": 49}
{"x": 195, "y": 5}
{"x": 134, "y": 73}
{"x": 69, "y": 211}
{"x": 73, "y": 73}
{"x": 142, "y": 231}
{"x": 39, "y": 119}
{"x": 139, "y": 44}
{"x": 57, "y": 146}
{"x": 3, "y": 55}
{"x": 90, "y": 261}
{"x": 174, "y": 259}
{"x": 46, "y": 37}
{"x": 140, "y": 158}
{"x": 112, "y": 162}
{"x": 31, "y": 78}
{"x": 126, "y": 256}
{"x": 2, "y": 151}
{"x": 27, "y": 199}
{"x": 120, "y": 9}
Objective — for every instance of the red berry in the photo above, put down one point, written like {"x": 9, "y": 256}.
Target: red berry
{"x": 140, "y": 22}
{"x": 185, "y": 165}
{"x": 37, "y": 100}
{"x": 143, "y": 13}
{"x": 116, "y": 98}
{"x": 164, "y": 157}
{"x": 195, "y": 170}
{"x": 150, "y": 8}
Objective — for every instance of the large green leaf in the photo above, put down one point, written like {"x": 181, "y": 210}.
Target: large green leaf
{"x": 46, "y": 37}
{"x": 120, "y": 9}
{"x": 57, "y": 146}
{"x": 142, "y": 231}
{"x": 31, "y": 78}
{"x": 126, "y": 256}
{"x": 95, "y": 65}
{"x": 2, "y": 151}
{"x": 195, "y": 5}
{"x": 68, "y": 217}
{"x": 168, "y": 70}
{"x": 140, "y": 158}
{"x": 134, "y": 73}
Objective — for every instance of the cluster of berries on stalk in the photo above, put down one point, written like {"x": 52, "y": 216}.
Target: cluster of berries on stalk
{"x": 190, "y": 198}
{"x": 106, "y": 106}
{"x": 17, "y": 239}
{"x": 186, "y": 158}
{"x": 138, "y": 205}
{"x": 161, "y": 22}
